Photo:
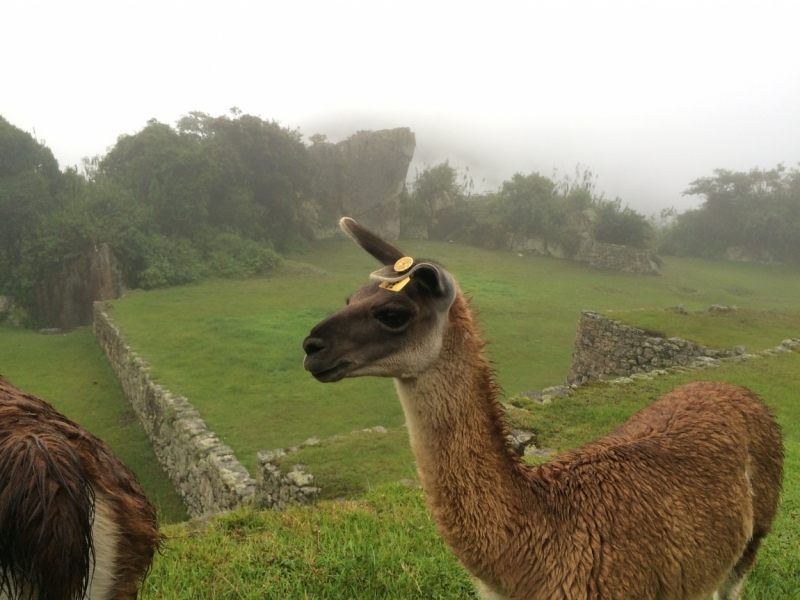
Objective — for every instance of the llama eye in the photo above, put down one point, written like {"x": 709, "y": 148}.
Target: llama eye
{"x": 393, "y": 318}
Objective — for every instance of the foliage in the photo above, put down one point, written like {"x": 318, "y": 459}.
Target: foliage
{"x": 559, "y": 215}
{"x": 29, "y": 182}
{"x": 211, "y": 196}
{"x": 754, "y": 214}
{"x": 228, "y": 255}
{"x": 434, "y": 194}
{"x": 168, "y": 261}
{"x": 617, "y": 225}
{"x": 260, "y": 174}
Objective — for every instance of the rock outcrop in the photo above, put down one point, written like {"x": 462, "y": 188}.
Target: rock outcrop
{"x": 65, "y": 300}
{"x": 362, "y": 177}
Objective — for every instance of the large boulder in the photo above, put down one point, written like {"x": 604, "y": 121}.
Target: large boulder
{"x": 65, "y": 300}
{"x": 362, "y": 177}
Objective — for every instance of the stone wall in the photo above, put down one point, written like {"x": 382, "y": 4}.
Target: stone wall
{"x": 203, "y": 470}
{"x": 624, "y": 258}
{"x": 605, "y": 348}
{"x": 275, "y": 489}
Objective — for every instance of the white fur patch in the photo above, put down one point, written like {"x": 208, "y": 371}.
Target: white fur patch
{"x": 104, "y": 533}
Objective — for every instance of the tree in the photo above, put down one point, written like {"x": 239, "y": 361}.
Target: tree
{"x": 529, "y": 206}
{"x": 166, "y": 172}
{"x": 755, "y": 215}
{"x": 617, "y": 225}
{"x": 29, "y": 183}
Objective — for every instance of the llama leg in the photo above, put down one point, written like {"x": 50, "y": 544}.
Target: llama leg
{"x": 486, "y": 593}
{"x": 731, "y": 587}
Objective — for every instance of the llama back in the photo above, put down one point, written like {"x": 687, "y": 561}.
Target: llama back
{"x": 643, "y": 506}
{"x": 74, "y": 520}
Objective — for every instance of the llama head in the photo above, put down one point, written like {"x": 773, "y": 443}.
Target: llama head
{"x": 392, "y": 327}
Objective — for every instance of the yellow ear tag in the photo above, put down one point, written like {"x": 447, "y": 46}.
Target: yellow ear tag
{"x": 395, "y": 286}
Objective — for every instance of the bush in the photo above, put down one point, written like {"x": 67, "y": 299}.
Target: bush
{"x": 169, "y": 261}
{"x": 232, "y": 256}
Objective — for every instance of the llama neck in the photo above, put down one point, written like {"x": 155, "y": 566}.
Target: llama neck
{"x": 473, "y": 482}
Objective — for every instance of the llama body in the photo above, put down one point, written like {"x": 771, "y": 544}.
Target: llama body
{"x": 74, "y": 521}
{"x": 672, "y": 505}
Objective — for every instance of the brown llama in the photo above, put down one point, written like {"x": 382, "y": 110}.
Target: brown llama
{"x": 74, "y": 521}
{"x": 672, "y": 505}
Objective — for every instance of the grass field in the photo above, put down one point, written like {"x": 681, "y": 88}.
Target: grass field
{"x": 71, "y": 373}
{"x": 233, "y": 347}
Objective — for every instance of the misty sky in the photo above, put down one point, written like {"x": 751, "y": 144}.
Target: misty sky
{"x": 649, "y": 95}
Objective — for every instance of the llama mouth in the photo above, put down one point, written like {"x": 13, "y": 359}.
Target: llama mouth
{"x": 336, "y": 373}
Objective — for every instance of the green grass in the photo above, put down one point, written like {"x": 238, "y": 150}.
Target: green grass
{"x": 70, "y": 372}
{"x": 382, "y": 546}
{"x": 234, "y": 347}
{"x": 349, "y": 466}
{"x": 385, "y": 545}
{"x": 755, "y": 329}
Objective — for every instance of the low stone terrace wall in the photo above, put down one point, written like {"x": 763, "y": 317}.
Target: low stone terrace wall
{"x": 203, "y": 470}
{"x": 606, "y": 347}
{"x": 623, "y": 258}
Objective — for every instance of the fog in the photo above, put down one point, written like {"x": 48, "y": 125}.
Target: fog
{"x": 649, "y": 96}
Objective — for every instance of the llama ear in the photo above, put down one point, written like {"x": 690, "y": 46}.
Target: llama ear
{"x": 376, "y": 246}
{"x": 438, "y": 281}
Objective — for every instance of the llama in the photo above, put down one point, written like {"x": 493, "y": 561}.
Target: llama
{"x": 74, "y": 521}
{"x": 672, "y": 505}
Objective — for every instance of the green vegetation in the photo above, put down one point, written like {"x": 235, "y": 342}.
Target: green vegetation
{"x": 385, "y": 545}
{"x": 70, "y": 372}
{"x": 212, "y": 197}
{"x": 382, "y": 546}
{"x": 348, "y": 466}
{"x": 755, "y": 215}
{"x": 440, "y": 202}
{"x": 233, "y": 347}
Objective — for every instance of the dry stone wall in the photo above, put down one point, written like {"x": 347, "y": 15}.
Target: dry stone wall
{"x": 607, "y": 348}
{"x": 203, "y": 470}
{"x": 623, "y": 258}
{"x": 277, "y": 490}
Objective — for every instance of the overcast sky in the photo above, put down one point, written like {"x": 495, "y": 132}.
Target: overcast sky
{"x": 649, "y": 95}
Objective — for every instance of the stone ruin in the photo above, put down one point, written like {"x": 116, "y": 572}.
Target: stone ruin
{"x": 615, "y": 257}
{"x": 608, "y": 348}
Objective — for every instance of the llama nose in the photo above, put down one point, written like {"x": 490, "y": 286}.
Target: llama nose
{"x": 313, "y": 345}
